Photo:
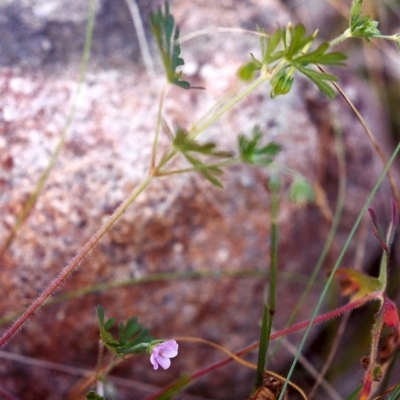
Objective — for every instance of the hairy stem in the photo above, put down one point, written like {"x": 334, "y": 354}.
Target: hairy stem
{"x": 74, "y": 263}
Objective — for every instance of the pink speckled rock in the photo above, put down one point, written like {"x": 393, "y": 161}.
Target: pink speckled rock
{"x": 213, "y": 243}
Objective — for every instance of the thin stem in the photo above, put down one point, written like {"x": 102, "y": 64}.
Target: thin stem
{"x": 158, "y": 128}
{"x": 269, "y": 310}
{"x": 372, "y": 139}
{"x": 265, "y": 332}
{"x": 30, "y": 203}
{"x": 338, "y": 261}
{"x": 74, "y": 263}
{"x": 225, "y": 163}
{"x": 204, "y": 125}
{"x": 341, "y": 38}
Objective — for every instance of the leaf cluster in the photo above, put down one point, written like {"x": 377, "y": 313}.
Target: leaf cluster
{"x": 288, "y": 50}
{"x": 253, "y": 153}
{"x": 184, "y": 144}
{"x": 167, "y": 39}
{"x": 362, "y": 25}
{"x": 131, "y": 336}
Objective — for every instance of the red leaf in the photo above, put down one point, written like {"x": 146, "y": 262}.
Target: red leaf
{"x": 390, "y": 314}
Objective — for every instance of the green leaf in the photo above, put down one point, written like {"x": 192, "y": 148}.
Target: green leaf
{"x": 319, "y": 79}
{"x": 287, "y": 50}
{"x": 281, "y": 84}
{"x": 251, "y": 152}
{"x": 208, "y": 172}
{"x": 130, "y": 335}
{"x": 185, "y": 145}
{"x": 361, "y": 25}
{"x": 167, "y": 39}
{"x": 105, "y": 336}
{"x": 270, "y": 45}
{"x": 246, "y": 71}
{"x": 297, "y": 41}
{"x": 301, "y": 192}
{"x": 319, "y": 56}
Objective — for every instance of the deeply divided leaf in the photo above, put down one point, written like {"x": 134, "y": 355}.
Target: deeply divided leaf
{"x": 130, "y": 335}
{"x": 320, "y": 80}
{"x": 287, "y": 50}
{"x": 252, "y": 152}
{"x": 362, "y": 25}
{"x": 186, "y": 145}
{"x": 167, "y": 39}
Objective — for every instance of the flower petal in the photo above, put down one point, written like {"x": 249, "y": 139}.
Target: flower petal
{"x": 165, "y": 362}
{"x": 168, "y": 348}
{"x": 153, "y": 360}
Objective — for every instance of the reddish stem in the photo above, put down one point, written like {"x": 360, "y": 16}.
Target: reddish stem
{"x": 294, "y": 328}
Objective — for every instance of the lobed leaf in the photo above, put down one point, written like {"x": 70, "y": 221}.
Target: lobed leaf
{"x": 186, "y": 145}
{"x": 130, "y": 335}
{"x": 361, "y": 25}
{"x": 167, "y": 39}
{"x": 251, "y": 152}
{"x": 320, "y": 79}
{"x": 319, "y": 56}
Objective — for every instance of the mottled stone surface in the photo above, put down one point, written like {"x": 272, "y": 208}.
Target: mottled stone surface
{"x": 180, "y": 224}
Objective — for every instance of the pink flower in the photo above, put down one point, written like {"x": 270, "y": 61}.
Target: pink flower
{"x": 162, "y": 352}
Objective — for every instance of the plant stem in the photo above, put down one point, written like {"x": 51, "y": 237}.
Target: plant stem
{"x": 204, "y": 125}
{"x": 341, "y": 38}
{"x": 158, "y": 127}
{"x": 265, "y": 332}
{"x": 269, "y": 310}
{"x": 74, "y": 263}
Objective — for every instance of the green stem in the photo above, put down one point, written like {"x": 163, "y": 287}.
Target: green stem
{"x": 269, "y": 310}
{"x": 158, "y": 128}
{"x": 201, "y": 126}
{"x": 263, "y": 347}
{"x": 341, "y": 38}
